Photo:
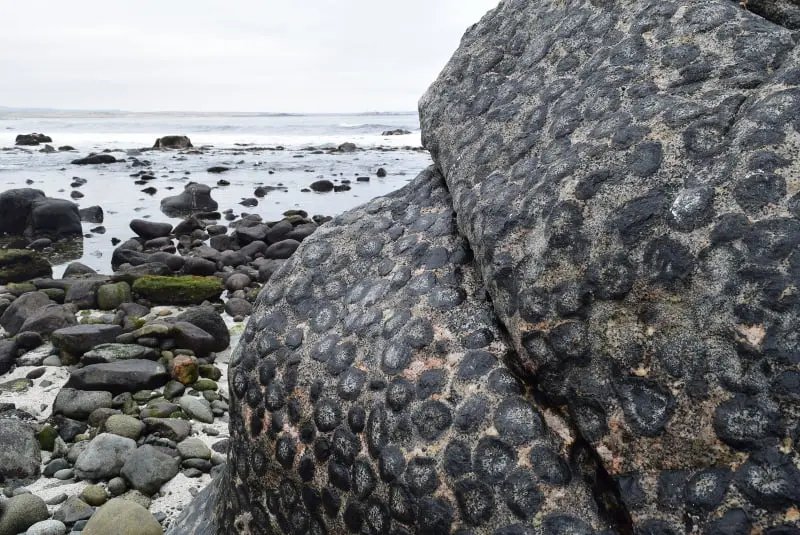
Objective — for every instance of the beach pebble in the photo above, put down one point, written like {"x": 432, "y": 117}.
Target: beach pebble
{"x": 20, "y": 454}
{"x": 57, "y": 499}
{"x": 64, "y": 474}
{"x": 79, "y": 404}
{"x": 125, "y": 426}
{"x": 47, "y": 527}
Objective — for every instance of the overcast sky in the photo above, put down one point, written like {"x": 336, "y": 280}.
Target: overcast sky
{"x": 236, "y": 55}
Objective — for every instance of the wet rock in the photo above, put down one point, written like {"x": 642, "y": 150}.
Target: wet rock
{"x": 322, "y": 186}
{"x": 18, "y": 265}
{"x": 91, "y": 214}
{"x": 94, "y": 159}
{"x": 207, "y": 319}
{"x": 105, "y": 353}
{"x": 173, "y": 142}
{"x": 150, "y": 229}
{"x": 32, "y": 139}
{"x": 195, "y": 198}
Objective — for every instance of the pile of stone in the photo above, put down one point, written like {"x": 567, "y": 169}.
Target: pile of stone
{"x": 141, "y": 382}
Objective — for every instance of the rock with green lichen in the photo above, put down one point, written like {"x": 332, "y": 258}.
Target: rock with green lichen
{"x": 180, "y": 290}
{"x": 17, "y": 265}
{"x": 110, "y": 296}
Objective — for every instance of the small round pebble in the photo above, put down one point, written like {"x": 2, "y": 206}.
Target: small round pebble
{"x": 117, "y": 486}
{"x": 47, "y": 527}
{"x": 66, "y": 473}
{"x": 94, "y": 495}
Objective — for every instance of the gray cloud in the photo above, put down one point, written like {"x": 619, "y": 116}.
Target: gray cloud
{"x": 240, "y": 55}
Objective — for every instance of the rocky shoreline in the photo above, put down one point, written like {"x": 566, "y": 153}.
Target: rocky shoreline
{"x": 113, "y": 388}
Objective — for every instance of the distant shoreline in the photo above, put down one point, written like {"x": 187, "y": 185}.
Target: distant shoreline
{"x": 7, "y": 112}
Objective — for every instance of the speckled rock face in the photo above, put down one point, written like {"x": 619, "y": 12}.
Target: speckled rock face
{"x": 627, "y": 176}
{"x": 584, "y": 321}
{"x": 373, "y": 397}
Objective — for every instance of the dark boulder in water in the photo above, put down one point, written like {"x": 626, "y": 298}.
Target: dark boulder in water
{"x": 28, "y": 212}
{"x": 91, "y": 214}
{"x": 173, "y": 142}
{"x": 395, "y": 132}
{"x": 95, "y": 159}
{"x": 322, "y": 186}
{"x": 195, "y": 198}
{"x": 32, "y": 139}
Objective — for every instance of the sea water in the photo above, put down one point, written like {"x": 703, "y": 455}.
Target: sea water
{"x": 285, "y": 151}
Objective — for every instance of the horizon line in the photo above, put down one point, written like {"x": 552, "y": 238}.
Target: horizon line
{"x": 198, "y": 112}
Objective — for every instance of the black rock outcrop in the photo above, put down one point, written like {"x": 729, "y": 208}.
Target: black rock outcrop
{"x": 583, "y": 320}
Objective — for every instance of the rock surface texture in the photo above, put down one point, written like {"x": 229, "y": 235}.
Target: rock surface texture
{"x": 584, "y": 320}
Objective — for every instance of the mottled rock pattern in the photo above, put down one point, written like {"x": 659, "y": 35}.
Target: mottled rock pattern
{"x": 371, "y": 377}
{"x": 626, "y": 176}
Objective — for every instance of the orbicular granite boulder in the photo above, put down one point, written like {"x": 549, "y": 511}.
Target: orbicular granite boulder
{"x": 591, "y": 326}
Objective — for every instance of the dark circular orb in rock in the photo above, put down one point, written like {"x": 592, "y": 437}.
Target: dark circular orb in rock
{"x": 522, "y": 495}
{"x": 517, "y": 422}
{"x": 399, "y": 394}
{"x": 706, "y": 489}
{"x": 472, "y": 414}
{"x": 549, "y": 466}
{"x": 432, "y": 419}
{"x": 421, "y": 476}
{"x": 327, "y": 414}
{"x": 475, "y": 501}
{"x": 493, "y": 459}
{"x": 391, "y": 464}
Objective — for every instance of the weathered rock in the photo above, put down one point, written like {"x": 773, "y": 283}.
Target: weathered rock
{"x": 120, "y": 376}
{"x": 21, "y": 309}
{"x": 195, "y": 198}
{"x": 94, "y": 159}
{"x": 54, "y": 218}
{"x": 18, "y": 265}
{"x": 124, "y": 517}
{"x": 76, "y": 269}
{"x": 94, "y": 495}
{"x": 124, "y": 426}
{"x": 623, "y": 192}
{"x": 15, "y": 208}
{"x": 147, "y": 468}
{"x": 110, "y": 296}
{"x": 183, "y": 369}
{"x": 47, "y": 527}
{"x": 20, "y": 454}
{"x": 171, "y": 428}
{"x": 197, "y": 408}
{"x": 73, "y": 510}
{"x": 211, "y": 322}
{"x": 194, "y": 448}
{"x": 173, "y": 142}
{"x": 192, "y": 337}
{"x": 113, "y": 352}
{"x": 91, "y": 214}
{"x": 79, "y": 404}
{"x": 282, "y": 249}
{"x": 104, "y": 457}
{"x": 32, "y": 139}
{"x": 78, "y": 339}
{"x": 21, "y": 512}
{"x": 150, "y": 229}
{"x": 8, "y": 355}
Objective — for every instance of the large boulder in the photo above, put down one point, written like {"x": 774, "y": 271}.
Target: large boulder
{"x": 194, "y": 198}
{"x": 21, "y": 512}
{"x": 147, "y": 468}
{"x": 584, "y": 320}
{"x": 32, "y": 139}
{"x": 56, "y": 218}
{"x": 173, "y": 142}
{"x": 15, "y": 207}
{"x": 20, "y": 456}
{"x": 21, "y": 309}
{"x": 18, "y": 265}
{"x": 150, "y": 229}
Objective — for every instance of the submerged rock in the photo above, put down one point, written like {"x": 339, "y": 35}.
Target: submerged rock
{"x": 18, "y": 265}
{"x": 93, "y": 159}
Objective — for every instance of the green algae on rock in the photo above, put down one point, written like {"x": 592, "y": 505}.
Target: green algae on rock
{"x": 18, "y": 265}
{"x": 180, "y": 290}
